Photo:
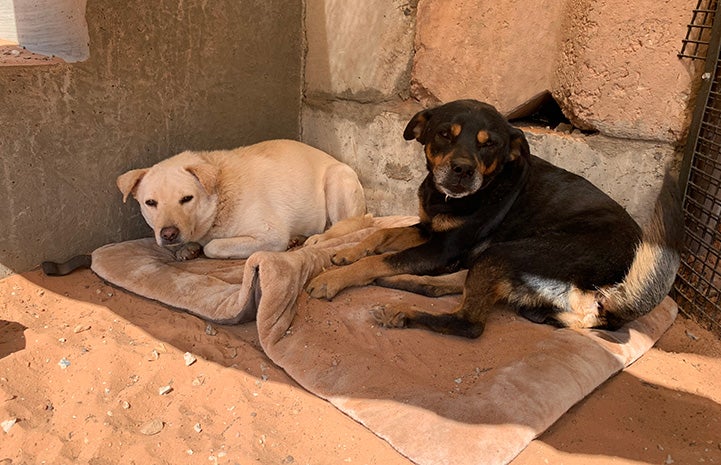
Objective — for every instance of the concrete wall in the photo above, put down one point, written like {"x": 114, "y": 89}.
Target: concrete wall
{"x": 163, "y": 76}
{"x": 611, "y": 66}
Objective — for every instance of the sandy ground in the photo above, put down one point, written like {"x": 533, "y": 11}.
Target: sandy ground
{"x": 90, "y": 374}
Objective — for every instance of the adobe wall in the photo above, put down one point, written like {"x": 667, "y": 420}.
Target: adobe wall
{"x": 162, "y": 77}
{"x": 612, "y": 68}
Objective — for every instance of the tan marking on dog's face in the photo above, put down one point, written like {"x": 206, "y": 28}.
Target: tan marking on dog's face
{"x": 456, "y": 129}
{"x": 437, "y": 159}
{"x": 482, "y": 137}
{"x": 487, "y": 170}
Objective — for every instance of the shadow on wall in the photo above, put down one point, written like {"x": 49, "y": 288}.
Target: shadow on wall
{"x": 48, "y": 27}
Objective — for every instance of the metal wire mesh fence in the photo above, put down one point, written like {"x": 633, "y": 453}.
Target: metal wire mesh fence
{"x": 698, "y": 285}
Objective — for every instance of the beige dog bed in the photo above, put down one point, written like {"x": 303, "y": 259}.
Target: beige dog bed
{"x": 515, "y": 381}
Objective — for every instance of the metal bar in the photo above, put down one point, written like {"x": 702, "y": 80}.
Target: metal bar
{"x": 701, "y": 103}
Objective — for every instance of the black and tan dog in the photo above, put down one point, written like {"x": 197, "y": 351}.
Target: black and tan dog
{"x": 531, "y": 234}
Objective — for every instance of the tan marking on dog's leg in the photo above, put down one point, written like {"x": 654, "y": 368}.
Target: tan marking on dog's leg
{"x": 341, "y": 228}
{"x": 326, "y": 285}
{"x": 432, "y": 286}
{"x": 381, "y": 241}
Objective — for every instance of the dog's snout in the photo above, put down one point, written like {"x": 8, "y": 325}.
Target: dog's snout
{"x": 169, "y": 234}
{"x": 463, "y": 167}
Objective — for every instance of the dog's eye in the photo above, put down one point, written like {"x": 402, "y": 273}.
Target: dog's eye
{"x": 487, "y": 143}
{"x": 186, "y": 199}
{"x": 151, "y": 203}
{"x": 444, "y": 134}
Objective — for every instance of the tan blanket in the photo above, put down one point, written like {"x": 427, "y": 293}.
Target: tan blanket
{"x": 513, "y": 382}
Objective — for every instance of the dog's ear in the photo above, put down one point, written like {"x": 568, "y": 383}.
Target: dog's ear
{"x": 519, "y": 145}
{"x": 128, "y": 182}
{"x": 416, "y": 126}
{"x": 206, "y": 174}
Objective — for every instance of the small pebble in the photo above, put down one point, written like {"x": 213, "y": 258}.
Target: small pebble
{"x": 164, "y": 390}
{"x": 81, "y": 328}
{"x": 189, "y": 359}
{"x": 64, "y": 363}
{"x": 210, "y": 331}
{"x": 197, "y": 428}
{"x": 7, "y": 424}
{"x": 152, "y": 427}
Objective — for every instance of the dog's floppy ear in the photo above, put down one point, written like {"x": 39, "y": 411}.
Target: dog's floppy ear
{"x": 416, "y": 126}
{"x": 206, "y": 174}
{"x": 128, "y": 182}
{"x": 519, "y": 145}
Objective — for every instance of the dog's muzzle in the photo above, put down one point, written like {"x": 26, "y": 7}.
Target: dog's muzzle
{"x": 458, "y": 178}
{"x": 170, "y": 235}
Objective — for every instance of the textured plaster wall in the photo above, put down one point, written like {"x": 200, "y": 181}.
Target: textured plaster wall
{"x": 162, "y": 77}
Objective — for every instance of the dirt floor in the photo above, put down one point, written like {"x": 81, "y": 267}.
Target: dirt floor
{"x": 90, "y": 374}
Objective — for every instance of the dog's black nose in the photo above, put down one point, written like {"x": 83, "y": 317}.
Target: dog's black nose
{"x": 169, "y": 234}
{"x": 463, "y": 167}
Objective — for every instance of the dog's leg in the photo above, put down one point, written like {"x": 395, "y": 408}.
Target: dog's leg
{"x": 381, "y": 241}
{"x": 243, "y": 247}
{"x": 431, "y": 286}
{"x": 484, "y": 287}
{"x": 425, "y": 258}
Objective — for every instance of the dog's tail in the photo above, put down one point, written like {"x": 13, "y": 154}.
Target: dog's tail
{"x": 654, "y": 267}
{"x": 64, "y": 268}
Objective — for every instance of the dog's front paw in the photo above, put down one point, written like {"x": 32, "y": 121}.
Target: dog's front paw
{"x": 325, "y": 285}
{"x": 188, "y": 251}
{"x": 315, "y": 239}
{"x": 388, "y": 318}
{"x": 349, "y": 255}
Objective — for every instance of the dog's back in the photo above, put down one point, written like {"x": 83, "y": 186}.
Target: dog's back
{"x": 250, "y": 185}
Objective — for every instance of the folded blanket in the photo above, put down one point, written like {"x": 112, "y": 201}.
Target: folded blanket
{"x": 500, "y": 392}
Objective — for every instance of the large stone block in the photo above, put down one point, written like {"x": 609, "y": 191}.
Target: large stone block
{"x": 358, "y": 50}
{"x": 369, "y": 138}
{"x": 503, "y": 53}
{"x": 631, "y": 172}
{"x": 619, "y": 72}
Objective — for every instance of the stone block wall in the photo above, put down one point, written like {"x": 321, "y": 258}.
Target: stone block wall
{"x": 611, "y": 66}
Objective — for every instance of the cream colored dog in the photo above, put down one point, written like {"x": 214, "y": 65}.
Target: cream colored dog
{"x": 235, "y": 202}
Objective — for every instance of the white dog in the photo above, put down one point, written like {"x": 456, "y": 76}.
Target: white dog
{"x": 236, "y": 202}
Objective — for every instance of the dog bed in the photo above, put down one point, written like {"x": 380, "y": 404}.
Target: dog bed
{"x": 502, "y": 390}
